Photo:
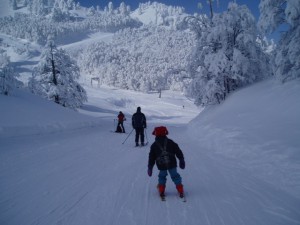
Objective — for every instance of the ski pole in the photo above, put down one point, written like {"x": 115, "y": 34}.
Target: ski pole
{"x": 127, "y": 136}
{"x": 146, "y": 134}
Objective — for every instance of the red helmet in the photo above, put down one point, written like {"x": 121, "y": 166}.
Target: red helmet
{"x": 160, "y": 131}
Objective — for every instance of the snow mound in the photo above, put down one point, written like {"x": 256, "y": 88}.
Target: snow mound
{"x": 26, "y": 114}
{"x": 158, "y": 13}
{"x": 259, "y": 127}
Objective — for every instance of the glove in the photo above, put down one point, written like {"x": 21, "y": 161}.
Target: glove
{"x": 181, "y": 163}
{"x": 150, "y": 171}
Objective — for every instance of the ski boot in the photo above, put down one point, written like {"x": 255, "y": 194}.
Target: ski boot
{"x": 161, "y": 189}
{"x": 179, "y": 188}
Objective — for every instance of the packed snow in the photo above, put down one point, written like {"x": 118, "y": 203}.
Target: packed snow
{"x": 59, "y": 166}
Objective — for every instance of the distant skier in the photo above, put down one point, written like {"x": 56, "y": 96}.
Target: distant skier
{"x": 163, "y": 153}
{"x": 120, "y": 126}
{"x": 139, "y": 124}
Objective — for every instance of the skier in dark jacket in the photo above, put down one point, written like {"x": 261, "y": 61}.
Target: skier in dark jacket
{"x": 163, "y": 153}
{"x": 139, "y": 124}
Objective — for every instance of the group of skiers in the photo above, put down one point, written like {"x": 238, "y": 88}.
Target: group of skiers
{"x": 163, "y": 151}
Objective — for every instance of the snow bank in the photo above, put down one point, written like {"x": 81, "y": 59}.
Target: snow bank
{"x": 27, "y": 114}
{"x": 259, "y": 127}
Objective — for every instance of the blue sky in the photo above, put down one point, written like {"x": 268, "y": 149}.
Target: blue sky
{"x": 189, "y": 5}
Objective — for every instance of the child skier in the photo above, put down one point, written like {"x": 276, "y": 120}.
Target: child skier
{"x": 163, "y": 152}
{"x": 120, "y": 126}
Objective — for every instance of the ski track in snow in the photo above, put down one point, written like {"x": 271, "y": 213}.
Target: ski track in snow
{"x": 85, "y": 176}
{"x": 72, "y": 178}
{"x": 77, "y": 176}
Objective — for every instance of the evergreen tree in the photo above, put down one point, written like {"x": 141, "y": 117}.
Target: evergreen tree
{"x": 123, "y": 9}
{"x": 37, "y": 7}
{"x": 55, "y": 78}
{"x": 110, "y": 7}
{"x": 143, "y": 59}
{"x": 25, "y": 3}
{"x": 283, "y": 12}
{"x": 227, "y": 56}
{"x": 8, "y": 77}
{"x": 57, "y": 15}
{"x": 70, "y": 4}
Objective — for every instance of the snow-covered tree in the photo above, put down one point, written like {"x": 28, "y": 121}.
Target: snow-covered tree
{"x": 55, "y": 78}
{"x": 128, "y": 9}
{"x": 91, "y": 11}
{"x": 143, "y": 59}
{"x": 61, "y": 4}
{"x": 70, "y": 4}
{"x": 139, "y": 9}
{"x": 37, "y": 7}
{"x": 57, "y": 15}
{"x": 25, "y": 3}
{"x": 61, "y": 22}
{"x": 275, "y": 13}
{"x": 13, "y": 4}
{"x": 227, "y": 56}
{"x": 77, "y": 5}
{"x": 123, "y": 9}
{"x": 110, "y": 7}
{"x": 8, "y": 77}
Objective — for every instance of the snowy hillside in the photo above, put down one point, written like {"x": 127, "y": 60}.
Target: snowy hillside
{"x": 158, "y": 14}
{"x": 258, "y": 128}
{"x": 240, "y": 167}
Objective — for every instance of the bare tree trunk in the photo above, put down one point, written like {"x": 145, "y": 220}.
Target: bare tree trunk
{"x": 211, "y": 9}
{"x": 218, "y": 97}
{"x": 53, "y": 67}
{"x": 56, "y": 97}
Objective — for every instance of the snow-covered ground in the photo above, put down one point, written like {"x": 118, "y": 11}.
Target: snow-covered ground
{"x": 58, "y": 166}
{"x": 242, "y": 160}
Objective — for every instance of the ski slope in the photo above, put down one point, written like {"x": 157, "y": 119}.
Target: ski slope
{"x": 60, "y": 167}
{"x": 71, "y": 169}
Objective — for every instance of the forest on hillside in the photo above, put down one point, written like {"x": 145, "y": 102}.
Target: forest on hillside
{"x": 205, "y": 56}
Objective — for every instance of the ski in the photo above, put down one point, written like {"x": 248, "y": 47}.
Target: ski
{"x": 162, "y": 198}
{"x": 141, "y": 145}
{"x": 117, "y": 132}
{"x": 182, "y": 197}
